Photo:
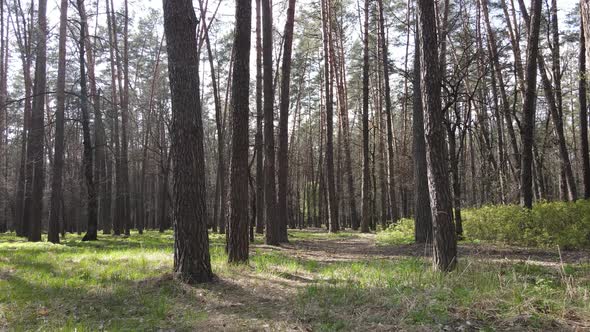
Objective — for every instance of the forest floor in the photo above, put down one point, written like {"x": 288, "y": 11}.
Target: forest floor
{"x": 317, "y": 282}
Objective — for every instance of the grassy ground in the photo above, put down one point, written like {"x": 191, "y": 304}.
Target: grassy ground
{"x": 317, "y": 282}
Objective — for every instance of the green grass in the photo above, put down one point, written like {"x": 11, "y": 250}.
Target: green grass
{"x": 125, "y": 284}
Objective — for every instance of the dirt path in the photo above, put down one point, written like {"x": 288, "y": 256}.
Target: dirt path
{"x": 362, "y": 246}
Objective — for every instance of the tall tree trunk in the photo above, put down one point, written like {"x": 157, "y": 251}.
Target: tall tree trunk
{"x": 147, "y": 135}
{"x": 366, "y": 203}
{"x": 58, "y": 159}
{"x": 3, "y": 122}
{"x": 37, "y": 134}
{"x": 582, "y": 97}
{"x": 388, "y": 113}
{"x": 500, "y": 79}
{"x": 116, "y": 92}
{"x": 557, "y": 114}
{"x": 331, "y": 186}
{"x": 99, "y": 131}
{"x": 340, "y": 76}
{"x": 125, "y": 126}
{"x": 164, "y": 176}
{"x": 258, "y": 140}
{"x": 192, "y": 262}
{"x": 422, "y": 214}
{"x": 380, "y": 158}
{"x": 270, "y": 197}
{"x": 528, "y": 108}
{"x": 238, "y": 244}
{"x": 92, "y": 230}
{"x": 444, "y": 237}
{"x": 283, "y": 153}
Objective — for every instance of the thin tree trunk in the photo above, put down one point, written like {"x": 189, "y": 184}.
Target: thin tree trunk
{"x": 3, "y": 123}
{"x": 582, "y": 97}
{"x": 58, "y": 159}
{"x": 528, "y": 109}
{"x": 116, "y": 92}
{"x": 388, "y": 113}
{"x": 366, "y": 203}
{"x": 500, "y": 79}
{"x": 258, "y": 140}
{"x": 37, "y": 134}
{"x": 125, "y": 126}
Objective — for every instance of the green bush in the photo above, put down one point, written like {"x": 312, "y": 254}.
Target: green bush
{"x": 547, "y": 224}
{"x": 401, "y": 232}
{"x": 566, "y": 224}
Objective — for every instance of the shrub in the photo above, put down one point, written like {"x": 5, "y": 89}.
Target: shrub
{"x": 401, "y": 232}
{"x": 566, "y": 224}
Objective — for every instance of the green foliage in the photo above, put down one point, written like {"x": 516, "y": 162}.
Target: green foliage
{"x": 564, "y": 224}
{"x": 547, "y": 224}
{"x": 401, "y": 232}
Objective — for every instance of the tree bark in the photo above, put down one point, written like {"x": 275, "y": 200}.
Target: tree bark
{"x": 125, "y": 126}
{"x": 283, "y": 153}
{"x": 116, "y": 92}
{"x": 366, "y": 192}
{"x": 3, "y": 123}
{"x": 258, "y": 139}
{"x": 58, "y": 159}
{"x": 582, "y": 97}
{"x": 37, "y": 134}
{"x": 92, "y": 230}
{"x": 238, "y": 244}
{"x": 388, "y": 113}
{"x": 333, "y": 224}
{"x": 422, "y": 214}
{"x": 444, "y": 236}
{"x": 192, "y": 263}
{"x": 528, "y": 108}
{"x": 270, "y": 198}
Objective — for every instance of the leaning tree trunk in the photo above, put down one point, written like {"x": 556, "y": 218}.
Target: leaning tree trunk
{"x": 58, "y": 159}
{"x": 444, "y": 237}
{"x": 192, "y": 262}
{"x": 238, "y": 244}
